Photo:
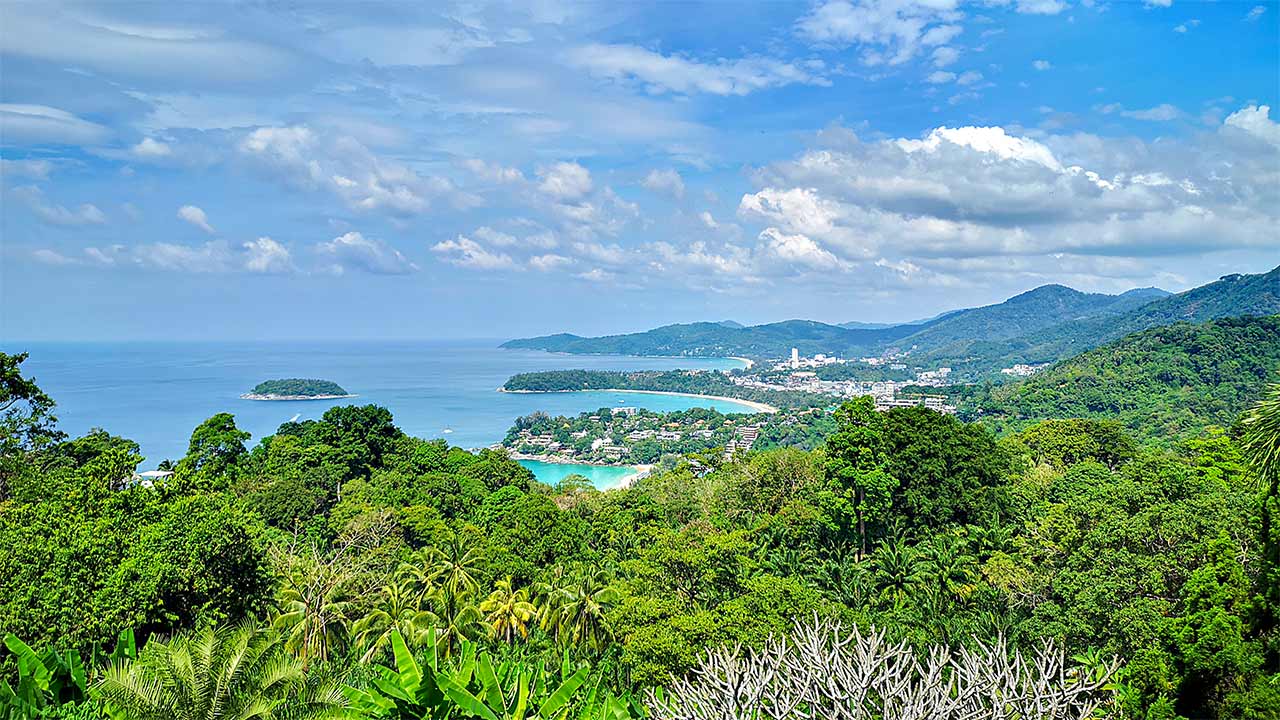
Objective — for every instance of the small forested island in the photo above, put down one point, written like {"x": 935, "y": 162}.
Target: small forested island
{"x": 297, "y": 389}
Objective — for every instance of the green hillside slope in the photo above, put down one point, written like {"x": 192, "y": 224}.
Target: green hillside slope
{"x": 1163, "y": 382}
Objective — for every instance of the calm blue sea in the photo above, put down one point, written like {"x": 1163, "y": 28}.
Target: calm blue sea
{"x": 156, "y": 393}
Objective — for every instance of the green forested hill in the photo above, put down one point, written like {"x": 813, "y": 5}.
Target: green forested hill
{"x": 1163, "y": 382}
{"x": 1035, "y": 309}
{"x": 1230, "y": 296}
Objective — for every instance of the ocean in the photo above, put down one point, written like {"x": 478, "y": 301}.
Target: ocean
{"x": 155, "y": 393}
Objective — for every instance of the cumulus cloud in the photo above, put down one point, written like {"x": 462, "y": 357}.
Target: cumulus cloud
{"x": 565, "y": 181}
{"x": 1255, "y": 12}
{"x": 151, "y": 149}
{"x": 353, "y": 251}
{"x": 671, "y": 73}
{"x": 938, "y": 77}
{"x": 195, "y": 216}
{"x": 465, "y": 252}
{"x": 265, "y": 255}
{"x": 1256, "y": 121}
{"x": 800, "y": 249}
{"x": 921, "y": 208}
{"x": 55, "y": 214}
{"x": 343, "y": 166}
{"x": 1041, "y": 65}
{"x": 211, "y": 257}
{"x": 664, "y": 182}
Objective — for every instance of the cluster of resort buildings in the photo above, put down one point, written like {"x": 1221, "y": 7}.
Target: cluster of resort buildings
{"x": 788, "y": 375}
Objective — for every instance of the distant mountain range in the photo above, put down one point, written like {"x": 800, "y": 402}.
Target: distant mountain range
{"x": 1046, "y": 324}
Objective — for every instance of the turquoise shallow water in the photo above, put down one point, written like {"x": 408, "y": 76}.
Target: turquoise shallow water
{"x": 602, "y": 476}
{"x": 156, "y": 393}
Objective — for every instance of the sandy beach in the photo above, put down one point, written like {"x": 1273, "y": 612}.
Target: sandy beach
{"x": 750, "y": 363}
{"x": 757, "y": 406}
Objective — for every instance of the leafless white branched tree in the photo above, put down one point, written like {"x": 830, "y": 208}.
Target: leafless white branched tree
{"x": 822, "y": 672}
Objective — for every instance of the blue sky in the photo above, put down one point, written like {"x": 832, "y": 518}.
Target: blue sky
{"x": 224, "y": 170}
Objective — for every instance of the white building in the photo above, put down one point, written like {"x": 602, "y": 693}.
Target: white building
{"x": 795, "y": 357}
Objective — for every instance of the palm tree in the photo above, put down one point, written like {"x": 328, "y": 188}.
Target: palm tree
{"x": 240, "y": 672}
{"x": 580, "y": 616}
{"x": 400, "y": 607}
{"x": 508, "y": 611}
{"x": 895, "y": 571}
{"x": 1261, "y": 443}
{"x": 948, "y": 568}
{"x": 455, "y": 566}
{"x": 458, "y": 619}
{"x": 313, "y": 617}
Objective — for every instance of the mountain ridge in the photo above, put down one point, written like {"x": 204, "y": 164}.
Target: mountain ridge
{"x": 1043, "y": 324}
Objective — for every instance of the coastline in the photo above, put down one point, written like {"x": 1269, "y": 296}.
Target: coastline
{"x": 757, "y": 406}
{"x": 254, "y": 396}
{"x": 750, "y": 363}
{"x": 640, "y": 470}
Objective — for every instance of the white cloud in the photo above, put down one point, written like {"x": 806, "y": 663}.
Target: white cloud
{"x": 992, "y": 140}
{"x": 265, "y": 255}
{"x": 1255, "y": 12}
{"x": 33, "y": 169}
{"x": 1256, "y": 121}
{"x": 493, "y": 172}
{"x": 55, "y": 214}
{"x": 1041, "y": 65}
{"x": 969, "y": 77}
{"x": 549, "y": 262}
{"x": 343, "y": 166}
{"x": 353, "y": 251}
{"x": 494, "y": 237}
{"x": 1186, "y": 26}
{"x": 1040, "y": 7}
{"x": 961, "y": 194}
{"x": 465, "y": 252}
{"x": 670, "y": 73}
{"x": 565, "y": 180}
{"x": 708, "y": 220}
{"x": 46, "y": 256}
{"x": 597, "y": 275}
{"x": 41, "y": 124}
{"x": 151, "y": 149}
{"x": 1157, "y": 3}
{"x": 665, "y": 182}
{"x": 944, "y": 56}
{"x": 212, "y": 257}
{"x": 196, "y": 216}
{"x": 800, "y": 250}
{"x": 1159, "y": 113}
{"x": 889, "y": 32}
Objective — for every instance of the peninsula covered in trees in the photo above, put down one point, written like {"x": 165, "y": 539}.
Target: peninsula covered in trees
{"x": 297, "y": 389}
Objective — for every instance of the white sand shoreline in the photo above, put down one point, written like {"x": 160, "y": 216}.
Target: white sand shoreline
{"x": 750, "y": 363}
{"x": 757, "y": 406}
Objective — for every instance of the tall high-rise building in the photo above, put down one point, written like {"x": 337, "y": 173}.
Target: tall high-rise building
{"x": 795, "y": 357}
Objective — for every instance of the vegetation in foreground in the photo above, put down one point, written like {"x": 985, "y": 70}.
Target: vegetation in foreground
{"x": 343, "y": 568}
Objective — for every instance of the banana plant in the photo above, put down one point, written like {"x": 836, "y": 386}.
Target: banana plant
{"x": 46, "y": 679}
{"x": 469, "y": 685}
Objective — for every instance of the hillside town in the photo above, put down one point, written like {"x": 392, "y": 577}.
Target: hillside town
{"x": 805, "y": 374}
